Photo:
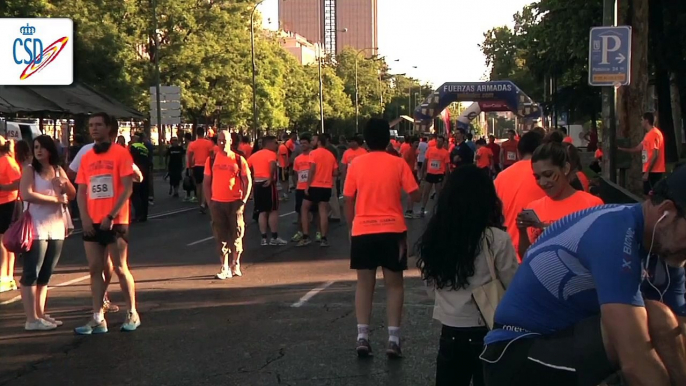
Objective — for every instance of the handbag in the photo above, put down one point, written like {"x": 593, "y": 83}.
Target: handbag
{"x": 18, "y": 238}
{"x": 487, "y": 296}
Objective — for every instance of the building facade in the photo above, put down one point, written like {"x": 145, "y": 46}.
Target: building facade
{"x": 304, "y": 51}
{"x": 335, "y": 23}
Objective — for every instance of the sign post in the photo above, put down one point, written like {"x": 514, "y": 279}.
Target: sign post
{"x": 609, "y": 66}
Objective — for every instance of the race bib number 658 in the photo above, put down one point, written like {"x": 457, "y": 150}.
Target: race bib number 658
{"x": 101, "y": 186}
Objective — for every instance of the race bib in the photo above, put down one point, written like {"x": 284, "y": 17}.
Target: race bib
{"x": 511, "y": 156}
{"x": 101, "y": 186}
{"x": 303, "y": 175}
{"x": 435, "y": 165}
{"x": 644, "y": 156}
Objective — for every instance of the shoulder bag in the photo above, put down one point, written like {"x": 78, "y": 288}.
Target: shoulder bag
{"x": 487, "y": 296}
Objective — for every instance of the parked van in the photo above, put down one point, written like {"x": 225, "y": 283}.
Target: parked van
{"x": 19, "y": 131}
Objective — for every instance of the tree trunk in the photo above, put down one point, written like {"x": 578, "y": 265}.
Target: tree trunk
{"x": 633, "y": 99}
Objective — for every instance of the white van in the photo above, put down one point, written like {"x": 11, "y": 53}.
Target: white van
{"x": 19, "y": 131}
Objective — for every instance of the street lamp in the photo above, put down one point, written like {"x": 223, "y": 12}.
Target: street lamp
{"x": 357, "y": 104}
{"x": 409, "y": 101}
{"x": 254, "y": 68}
{"x": 160, "y": 130}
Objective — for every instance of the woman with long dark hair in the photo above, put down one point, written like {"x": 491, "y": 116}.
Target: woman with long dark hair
{"x": 47, "y": 190}
{"x": 465, "y": 231}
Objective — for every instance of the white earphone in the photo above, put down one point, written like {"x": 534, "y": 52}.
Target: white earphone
{"x": 650, "y": 251}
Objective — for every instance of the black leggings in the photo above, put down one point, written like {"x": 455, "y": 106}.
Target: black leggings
{"x": 458, "y": 360}
{"x": 40, "y": 261}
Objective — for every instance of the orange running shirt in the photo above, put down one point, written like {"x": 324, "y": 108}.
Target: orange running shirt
{"x": 325, "y": 164}
{"x": 411, "y": 158}
{"x": 9, "y": 173}
{"x": 282, "y": 156}
{"x": 484, "y": 157}
{"x": 509, "y": 149}
{"x": 568, "y": 140}
{"x": 350, "y": 154}
{"x": 432, "y": 143}
{"x": 201, "y": 149}
{"x": 653, "y": 141}
{"x": 404, "y": 148}
{"x": 101, "y": 176}
{"x": 301, "y": 167}
{"x": 226, "y": 183}
{"x": 517, "y": 188}
{"x": 246, "y": 148}
{"x": 290, "y": 145}
{"x": 260, "y": 162}
{"x": 376, "y": 180}
{"x": 584, "y": 181}
{"x": 598, "y": 154}
{"x": 549, "y": 210}
{"x": 437, "y": 160}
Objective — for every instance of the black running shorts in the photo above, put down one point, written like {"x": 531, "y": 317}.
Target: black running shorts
{"x": 434, "y": 178}
{"x": 379, "y": 250}
{"x": 107, "y": 237}
{"x": 299, "y": 197}
{"x": 572, "y": 357}
{"x": 317, "y": 195}
{"x": 198, "y": 174}
{"x": 266, "y": 197}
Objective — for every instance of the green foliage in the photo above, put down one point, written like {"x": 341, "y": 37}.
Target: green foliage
{"x": 549, "y": 40}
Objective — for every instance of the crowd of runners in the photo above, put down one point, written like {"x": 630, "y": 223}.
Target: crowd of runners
{"x": 588, "y": 290}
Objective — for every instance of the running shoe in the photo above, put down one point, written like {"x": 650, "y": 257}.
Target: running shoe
{"x": 297, "y": 237}
{"x": 194, "y": 199}
{"x": 224, "y": 274}
{"x": 409, "y": 214}
{"x": 393, "y": 351}
{"x": 108, "y": 307}
{"x": 52, "y": 320}
{"x": 131, "y": 323}
{"x": 264, "y": 242}
{"x": 92, "y": 327}
{"x": 203, "y": 209}
{"x": 13, "y": 285}
{"x": 278, "y": 241}
{"x": 364, "y": 349}
{"x": 304, "y": 242}
{"x": 39, "y": 325}
{"x": 236, "y": 270}
{"x": 318, "y": 237}
{"x": 324, "y": 243}
{"x": 186, "y": 199}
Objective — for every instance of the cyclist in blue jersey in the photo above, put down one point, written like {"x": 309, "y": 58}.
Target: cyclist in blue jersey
{"x": 601, "y": 291}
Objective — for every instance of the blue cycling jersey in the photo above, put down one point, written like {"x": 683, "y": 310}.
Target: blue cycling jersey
{"x": 586, "y": 259}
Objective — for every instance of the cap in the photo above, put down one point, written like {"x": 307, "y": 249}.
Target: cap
{"x": 673, "y": 187}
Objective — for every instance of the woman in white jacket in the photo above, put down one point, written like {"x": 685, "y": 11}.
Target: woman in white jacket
{"x": 452, "y": 253}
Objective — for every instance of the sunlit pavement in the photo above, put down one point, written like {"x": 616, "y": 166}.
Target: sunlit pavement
{"x": 289, "y": 321}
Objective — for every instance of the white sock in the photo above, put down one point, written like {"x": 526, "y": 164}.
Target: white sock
{"x": 394, "y": 334}
{"x": 132, "y": 311}
{"x": 99, "y": 316}
{"x": 362, "y": 331}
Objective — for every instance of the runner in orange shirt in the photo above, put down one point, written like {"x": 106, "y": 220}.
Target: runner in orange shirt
{"x": 227, "y": 185}
{"x": 263, "y": 165}
{"x": 517, "y": 187}
{"x": 197, "y": 154}
{"x": 349, "y": 155}
{"x": 410, "y": 157}
{"x": 10, "y": 175}
{"x": 323, "y": 168}
{"x": 508, "y": 153}
{"x": 105, "y": 179}
{"x": 374, "y": 212}
{"x": 436, "y": 167}
{"x": 301, "y": 169}
{"x": 284, "y": 163}
{"x": 433, "y": 141}
{"x": 245, "y": 146}
{"x": 484, "y": 157}
{"x": 652, "y": 151}
{"x": 553, "y": 171}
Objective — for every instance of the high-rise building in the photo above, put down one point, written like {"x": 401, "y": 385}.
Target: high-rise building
{"x": 326, "y": 20}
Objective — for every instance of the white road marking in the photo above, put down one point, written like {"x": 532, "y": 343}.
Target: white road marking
{"x": 312, "y": 293}
{"x": 211, "y": 237}
{"x": 66, "y": 283}
{"x": 200, "y": 241}
{"x": 79, "y": 231}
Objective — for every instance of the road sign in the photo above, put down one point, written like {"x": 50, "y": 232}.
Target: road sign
{"x": 170, "y": 105}
{"x": 609, "y": 56}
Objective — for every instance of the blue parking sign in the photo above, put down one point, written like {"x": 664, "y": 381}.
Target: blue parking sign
{"x": 609, "y": 56}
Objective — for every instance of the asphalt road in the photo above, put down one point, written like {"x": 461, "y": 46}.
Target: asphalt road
{"x": 288, "y": 321}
